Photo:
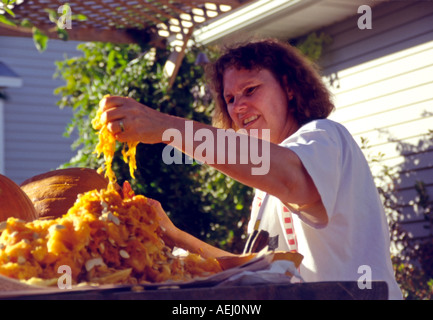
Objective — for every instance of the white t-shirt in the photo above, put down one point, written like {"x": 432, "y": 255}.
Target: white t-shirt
{"x": 354, "y": 245}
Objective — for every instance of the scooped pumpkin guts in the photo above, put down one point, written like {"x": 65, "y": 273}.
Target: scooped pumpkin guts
{"x": 104, "y": 238}
{"x": 107, "y": 146}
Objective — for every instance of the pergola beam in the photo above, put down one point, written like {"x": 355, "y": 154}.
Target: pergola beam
{"x": 122, "y": 21}
{"x": 79, "y": 34}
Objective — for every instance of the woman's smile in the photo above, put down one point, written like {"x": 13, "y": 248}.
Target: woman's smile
{"x": 247, "y": 122}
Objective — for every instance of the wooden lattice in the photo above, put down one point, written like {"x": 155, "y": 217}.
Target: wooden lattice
{"x": 122, "y": 20}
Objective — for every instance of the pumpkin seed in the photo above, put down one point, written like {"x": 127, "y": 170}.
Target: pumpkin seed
{"x": 113, "y": 218}
{"x": 109, "y": 216}
{"x": 124, "y": 254}
{"x": 104, "y": 204}
{"x": 58, "y": 227}
{"x": 90, "y": 264}
{"x": 21, "y": 260}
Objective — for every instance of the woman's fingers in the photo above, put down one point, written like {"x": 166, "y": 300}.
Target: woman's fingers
{"x": 115, "y": 113}
{"x": 154, "y": 203}
{"x": 113, "y": 108}
{"x": 117, "y": 127}
{"x": 130, "y": 120}
{"x": 164, "y": 220}
{"x": 110, "y": 102}
{"x": 169, "y": 230}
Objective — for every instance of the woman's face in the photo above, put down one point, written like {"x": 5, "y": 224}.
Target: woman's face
{"x": 256, "y": 100}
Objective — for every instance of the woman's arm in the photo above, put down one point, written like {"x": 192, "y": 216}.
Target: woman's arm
{"x": 284, "y": 175}
{"x": 175, "y": 237}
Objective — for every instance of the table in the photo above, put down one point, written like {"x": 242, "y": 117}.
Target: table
{"x": 297, "y": 291}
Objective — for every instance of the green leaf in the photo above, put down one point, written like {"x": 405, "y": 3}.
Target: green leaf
{"x": 62, "y": 34}
{"x": 40, "y": 39}
{"x": 52, "y": 15}
{"x": 5, "y": 8}
{"x": 5, "y": 20}
{"x": 26, "y": 23}
{"x": 111, "y": 60}
{"x": 79, "y": 17}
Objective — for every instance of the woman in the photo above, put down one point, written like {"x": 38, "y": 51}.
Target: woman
{"x": 318, "y": 196}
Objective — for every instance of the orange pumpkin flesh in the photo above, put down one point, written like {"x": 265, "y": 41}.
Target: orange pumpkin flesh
{"x": 103, "y": 238}
{"x": 14, "y": 202}
{"x": 54, "y": 192}
{"x": 106, "y": 235}
{"x": 107, "y": 146}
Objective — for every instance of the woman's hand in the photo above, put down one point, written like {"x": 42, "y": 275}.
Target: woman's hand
{"x": 170, "y": 231}
{"x": 130, "y": 120}
{"x": 175, "y": 237}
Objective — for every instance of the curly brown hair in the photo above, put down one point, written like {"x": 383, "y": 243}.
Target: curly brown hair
{"x": 311, "y": 99}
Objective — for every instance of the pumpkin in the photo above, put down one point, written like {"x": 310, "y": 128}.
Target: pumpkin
{"x": 14, "y": 202}
{"x": 54, "y": 192}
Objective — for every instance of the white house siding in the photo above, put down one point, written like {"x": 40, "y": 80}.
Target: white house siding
{"x": 382, "y": 81}
{"x": 34, "y": 124}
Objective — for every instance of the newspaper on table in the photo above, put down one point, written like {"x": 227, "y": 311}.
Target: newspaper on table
{"x": 261, "y": 269}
